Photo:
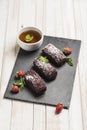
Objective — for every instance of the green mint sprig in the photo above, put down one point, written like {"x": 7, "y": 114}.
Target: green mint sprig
{"x": 28, "y": 38}
{"x": 44, "y": 59}
{"x": 69, "y": 61}
{"x": 20, "y": 83}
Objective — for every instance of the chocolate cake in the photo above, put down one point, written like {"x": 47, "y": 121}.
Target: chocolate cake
{"x": 46, "y": 70}
{"x": 54, "y": 54}
{"x": 35, "y": 82}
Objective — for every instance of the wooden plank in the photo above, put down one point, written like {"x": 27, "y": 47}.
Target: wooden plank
{"x": 5, "y": 105}
{"x": 22, "y": 113}
{"x": 39, "y": 117}
{"x": 57, "y": 122}
{"x": 75, "y": 120}
{"x": 82, "y": 9}
{"x": 54, "y": 28}
{"x": 75, "y": 114}
{"x": 3, "y": 17}
{"x": 10, "y": 43}
{"x": 68, "y": 19}
{"x": 50, "y": 17}
{"x": 58, "y": 20}
{"x": 77, "y": 20}
{"x": 27, "y": 13}
{"x": 39, "y": 12}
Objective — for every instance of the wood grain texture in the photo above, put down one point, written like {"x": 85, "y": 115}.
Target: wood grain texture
{"x": 5, "y": 106}
{"x": 4, "y": 9}
{"x": 82, "y": 31}
{"x": 75, "y": 113}
{"x": 75, "y": 120}
{"x": 39, "y": 117}
{"x": 27, "y": 13}
{"x": 68, "y": 19}
{"x": 56, "y": 121}
{"x": 22, "y": 116}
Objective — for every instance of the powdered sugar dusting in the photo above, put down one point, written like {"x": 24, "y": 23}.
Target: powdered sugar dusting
{"x": 46, "y": 68}
{"x": 54, "y": 53}
{"x": 29, "y": 77}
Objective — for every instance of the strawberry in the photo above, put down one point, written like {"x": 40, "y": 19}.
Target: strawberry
{"x": 20, "y": 73}
{"x": 67, "y": 51}
{"x": 15, "y": 89}
{"x": 59, "y": 108}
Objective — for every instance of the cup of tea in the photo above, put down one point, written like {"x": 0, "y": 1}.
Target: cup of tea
{"x": 30, "y": 38}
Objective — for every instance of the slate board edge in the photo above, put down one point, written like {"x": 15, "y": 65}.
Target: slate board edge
{"x": 64, "y": 38}
{"x": 46, "y": 104}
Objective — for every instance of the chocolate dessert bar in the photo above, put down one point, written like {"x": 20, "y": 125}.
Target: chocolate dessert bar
{"x": 35, "y": 82}
{"x": 54, "y": 54}
{"x": 46, "y": 70}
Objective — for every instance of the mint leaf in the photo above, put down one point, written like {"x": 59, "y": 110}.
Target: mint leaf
{"x": 20, "y": 83}
{"x": 44, "y": 59}
{"x": 28, "y": 38}
{"x": 69, "y": 61}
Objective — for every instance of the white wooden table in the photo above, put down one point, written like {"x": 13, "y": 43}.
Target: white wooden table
{"x": 62, "y": 18}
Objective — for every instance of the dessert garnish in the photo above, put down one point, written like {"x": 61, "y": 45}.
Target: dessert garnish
{"x": 69, "y": 61}
{"x": 19, "y": 74}
{"x": 44, "y": 59}
{"x": 15, "y": 89}
{"x": 20, "y": 83}
{"x": 67, "y": 51}
{"x": 28, "y": 38}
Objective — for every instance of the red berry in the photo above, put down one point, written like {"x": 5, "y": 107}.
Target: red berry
{"x": 15, "y": 89}
{"x": 67, "y": 51}
{"x": 59, "y": 108}
{"x": 20, "y": 73}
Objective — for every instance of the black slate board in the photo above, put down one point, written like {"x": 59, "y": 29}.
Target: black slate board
{"x": 59, "y": 90}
